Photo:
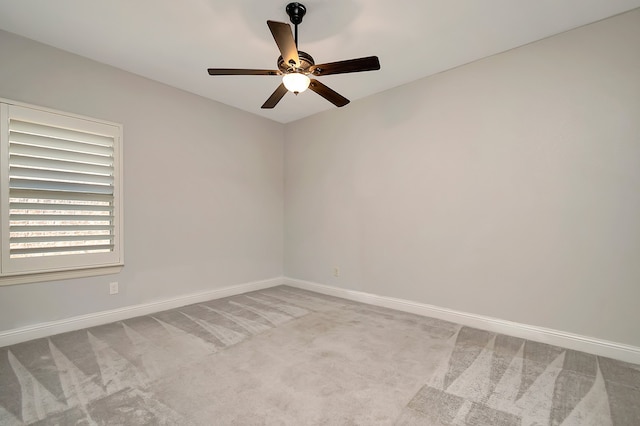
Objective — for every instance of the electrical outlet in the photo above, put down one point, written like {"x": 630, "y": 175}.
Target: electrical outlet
{"x": 113, "y": 287}
{"x": 336, "y": 271}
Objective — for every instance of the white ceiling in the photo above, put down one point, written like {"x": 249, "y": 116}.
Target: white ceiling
{"x": 174, "y": 42}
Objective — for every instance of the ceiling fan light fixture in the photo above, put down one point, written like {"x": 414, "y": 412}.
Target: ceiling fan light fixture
{"x": 296, "y": 82}
{"x": 297, "y": 68}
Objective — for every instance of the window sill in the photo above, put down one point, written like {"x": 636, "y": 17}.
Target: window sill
{"x": 59, "y": 275}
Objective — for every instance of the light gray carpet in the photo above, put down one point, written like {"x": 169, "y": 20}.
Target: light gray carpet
{"x": 284, "y": 356}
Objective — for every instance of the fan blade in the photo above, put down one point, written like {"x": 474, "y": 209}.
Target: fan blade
{"x": 329, "y": 94}
{"x": 275, "y": 97}
{"x": 235, "y": 71}
{"x": 286, "y": 43}
{"x": 370, "y": 63}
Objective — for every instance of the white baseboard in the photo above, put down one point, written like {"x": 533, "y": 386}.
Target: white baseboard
{"x": 595, "y": 346}
{"x": 23, "y": 334}
{"x": 563, "y": 339}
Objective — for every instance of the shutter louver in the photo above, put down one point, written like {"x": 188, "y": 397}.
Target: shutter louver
{"x": 61, "y": 191}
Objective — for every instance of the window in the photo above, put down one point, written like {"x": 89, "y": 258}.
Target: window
{"x": 60, "y": 194}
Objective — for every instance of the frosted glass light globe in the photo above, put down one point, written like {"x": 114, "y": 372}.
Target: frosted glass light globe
{"x": 296, "y": 82}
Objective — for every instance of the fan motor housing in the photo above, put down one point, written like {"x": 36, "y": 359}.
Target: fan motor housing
{"x": 306, "y": 61}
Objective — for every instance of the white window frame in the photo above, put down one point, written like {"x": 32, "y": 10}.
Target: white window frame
{"x": 46, "y": 268}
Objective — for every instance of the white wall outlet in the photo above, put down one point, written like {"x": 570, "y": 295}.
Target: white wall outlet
{"x": 336, "y": 271}
{"x": 113, "y": 287}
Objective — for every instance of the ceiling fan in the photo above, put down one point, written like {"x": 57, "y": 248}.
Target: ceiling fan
{"x": 297, "y": 68}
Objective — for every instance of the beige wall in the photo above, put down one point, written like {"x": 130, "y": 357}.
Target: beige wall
{"x": 203, "y": 186}
{"x": 509, "y": 187}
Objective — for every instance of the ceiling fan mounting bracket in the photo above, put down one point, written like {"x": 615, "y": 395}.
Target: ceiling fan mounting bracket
{"x": 296, "y": 12}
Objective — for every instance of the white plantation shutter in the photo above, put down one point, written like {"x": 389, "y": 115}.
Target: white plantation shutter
{"x": 60, "y": 191}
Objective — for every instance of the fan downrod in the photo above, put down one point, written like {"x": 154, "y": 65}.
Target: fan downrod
{"x": 296, "y": 12}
